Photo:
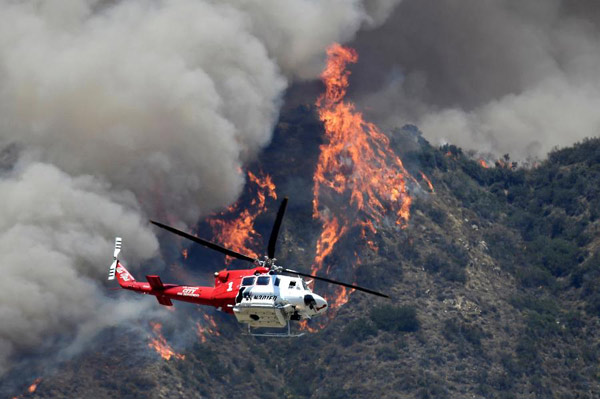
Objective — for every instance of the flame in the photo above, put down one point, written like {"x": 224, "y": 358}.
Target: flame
{"x": 31, "y": 389}
{"x": 201, "y": 331}
{"x": 160, "y": 345}
{"x": 504, "y": 164}
{"x": 424, "y": 176}
{"x": 238, "y": 234}
{"x": 329, "y": 237}
{"x": 356, "y": 167}
{"x": 304, "y": 326}
{"x": 371, "y": 244}
{"x": 265, "y": 184}
{"x": 342, "y": 296}
{"x": 34, "y": 385}
{"x": 209, "y": 328}
{"x": 483, "y": 163}
{"x": 184, "y": 253}
{"x": 367, "y": 227}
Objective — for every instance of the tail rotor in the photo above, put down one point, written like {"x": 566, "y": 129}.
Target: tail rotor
{"x": 113, "y": 267}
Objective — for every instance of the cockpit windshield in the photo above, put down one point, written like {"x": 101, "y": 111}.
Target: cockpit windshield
{"x": 248, "y": 281}
{"x": 263, "y": 280}
{"x": 305, "y": 285}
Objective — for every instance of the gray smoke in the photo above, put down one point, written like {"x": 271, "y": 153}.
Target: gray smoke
{"x": 499, "y": 76}
{"x": 55, "y": 243}
{"x": 111, "y": 111}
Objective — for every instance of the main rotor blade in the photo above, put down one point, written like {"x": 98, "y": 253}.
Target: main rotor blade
{"x": 200, "y": 241}
{"x": 276, "y": 226}
{"x": 356, "y": 287}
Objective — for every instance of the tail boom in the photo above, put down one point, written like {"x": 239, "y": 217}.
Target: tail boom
{"x": 154, "y": 286}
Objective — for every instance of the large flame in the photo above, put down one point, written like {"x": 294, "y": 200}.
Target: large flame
{"x": 238, "y": 234}
{"x": 357, "y": 160}
{"x": 160, "y": 345}
{"x": 359, "y": 180}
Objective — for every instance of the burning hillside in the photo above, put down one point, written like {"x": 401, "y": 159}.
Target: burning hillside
{"x": 358, "y": 180}
{"x": 160, "y": 344}
{"x": 234, "y": 227}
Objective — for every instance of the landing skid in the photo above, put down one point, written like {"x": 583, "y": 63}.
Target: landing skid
{"x": 284, "y": 334}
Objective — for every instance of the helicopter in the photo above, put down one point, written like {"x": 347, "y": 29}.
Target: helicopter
{"x": 266, "y": 296}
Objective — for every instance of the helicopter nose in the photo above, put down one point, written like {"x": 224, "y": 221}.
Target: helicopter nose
{"x": 321, "y": 304}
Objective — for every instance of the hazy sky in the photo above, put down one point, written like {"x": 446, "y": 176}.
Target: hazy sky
{"x": 499, "y": 76}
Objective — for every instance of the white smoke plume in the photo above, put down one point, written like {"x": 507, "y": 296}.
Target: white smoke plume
{"x": 120, "y": 110}
{"x": 495, "y": 76}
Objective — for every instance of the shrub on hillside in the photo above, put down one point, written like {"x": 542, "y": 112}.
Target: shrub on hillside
{"x": 534, "y": 276}
{"x": 457, "y": 331}
{"x": 558, "y": 256}
{"x": 450, "y": 271}
{"x": 395, "y": 318}
{"x": 357, "y": 330}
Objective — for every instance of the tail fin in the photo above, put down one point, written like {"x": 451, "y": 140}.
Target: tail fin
{"x": 157, "y": 285}
{"x": 124, "y": 278}
{"x": 155, "y": 282}
{"x": 117, "y": 269}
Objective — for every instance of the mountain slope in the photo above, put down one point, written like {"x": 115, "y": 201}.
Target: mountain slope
{"x": 494, "y": 289}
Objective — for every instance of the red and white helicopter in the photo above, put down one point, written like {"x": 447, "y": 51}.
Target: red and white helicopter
{"x": 267, "y": 295}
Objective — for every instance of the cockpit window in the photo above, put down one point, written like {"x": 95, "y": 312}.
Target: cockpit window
{"x": 276, "y": 283}
{"x": 248, "y": 281}
{"x": 292, "y": 284}
{"x": 263, "y": 280}
{"x": 304, "y": 285}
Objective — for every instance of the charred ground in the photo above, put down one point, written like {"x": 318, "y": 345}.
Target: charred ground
{"x": 494, "y": 286}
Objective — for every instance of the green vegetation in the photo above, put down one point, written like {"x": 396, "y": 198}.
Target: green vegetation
{"x": 551, "y": 206}
{"x": 434, "y": 263}
{"x": 457, "y": 331}
{"x": 395, "y": 318}
{"x": 357, "y": 330}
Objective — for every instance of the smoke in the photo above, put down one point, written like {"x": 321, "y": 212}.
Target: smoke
{"x": 499, "y": 76}
{"x": 165, "y": 99}
{"x": 298, "y": 32}
{"x": 111, "y": 111}
{"x": 54, "y": 231}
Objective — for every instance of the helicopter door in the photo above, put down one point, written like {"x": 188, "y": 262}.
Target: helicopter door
{"x": 263, "y": 290}
{"x": 257, "y": 306}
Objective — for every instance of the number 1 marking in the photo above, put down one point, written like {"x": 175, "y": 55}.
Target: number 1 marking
{"x": 230, "y": 288}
